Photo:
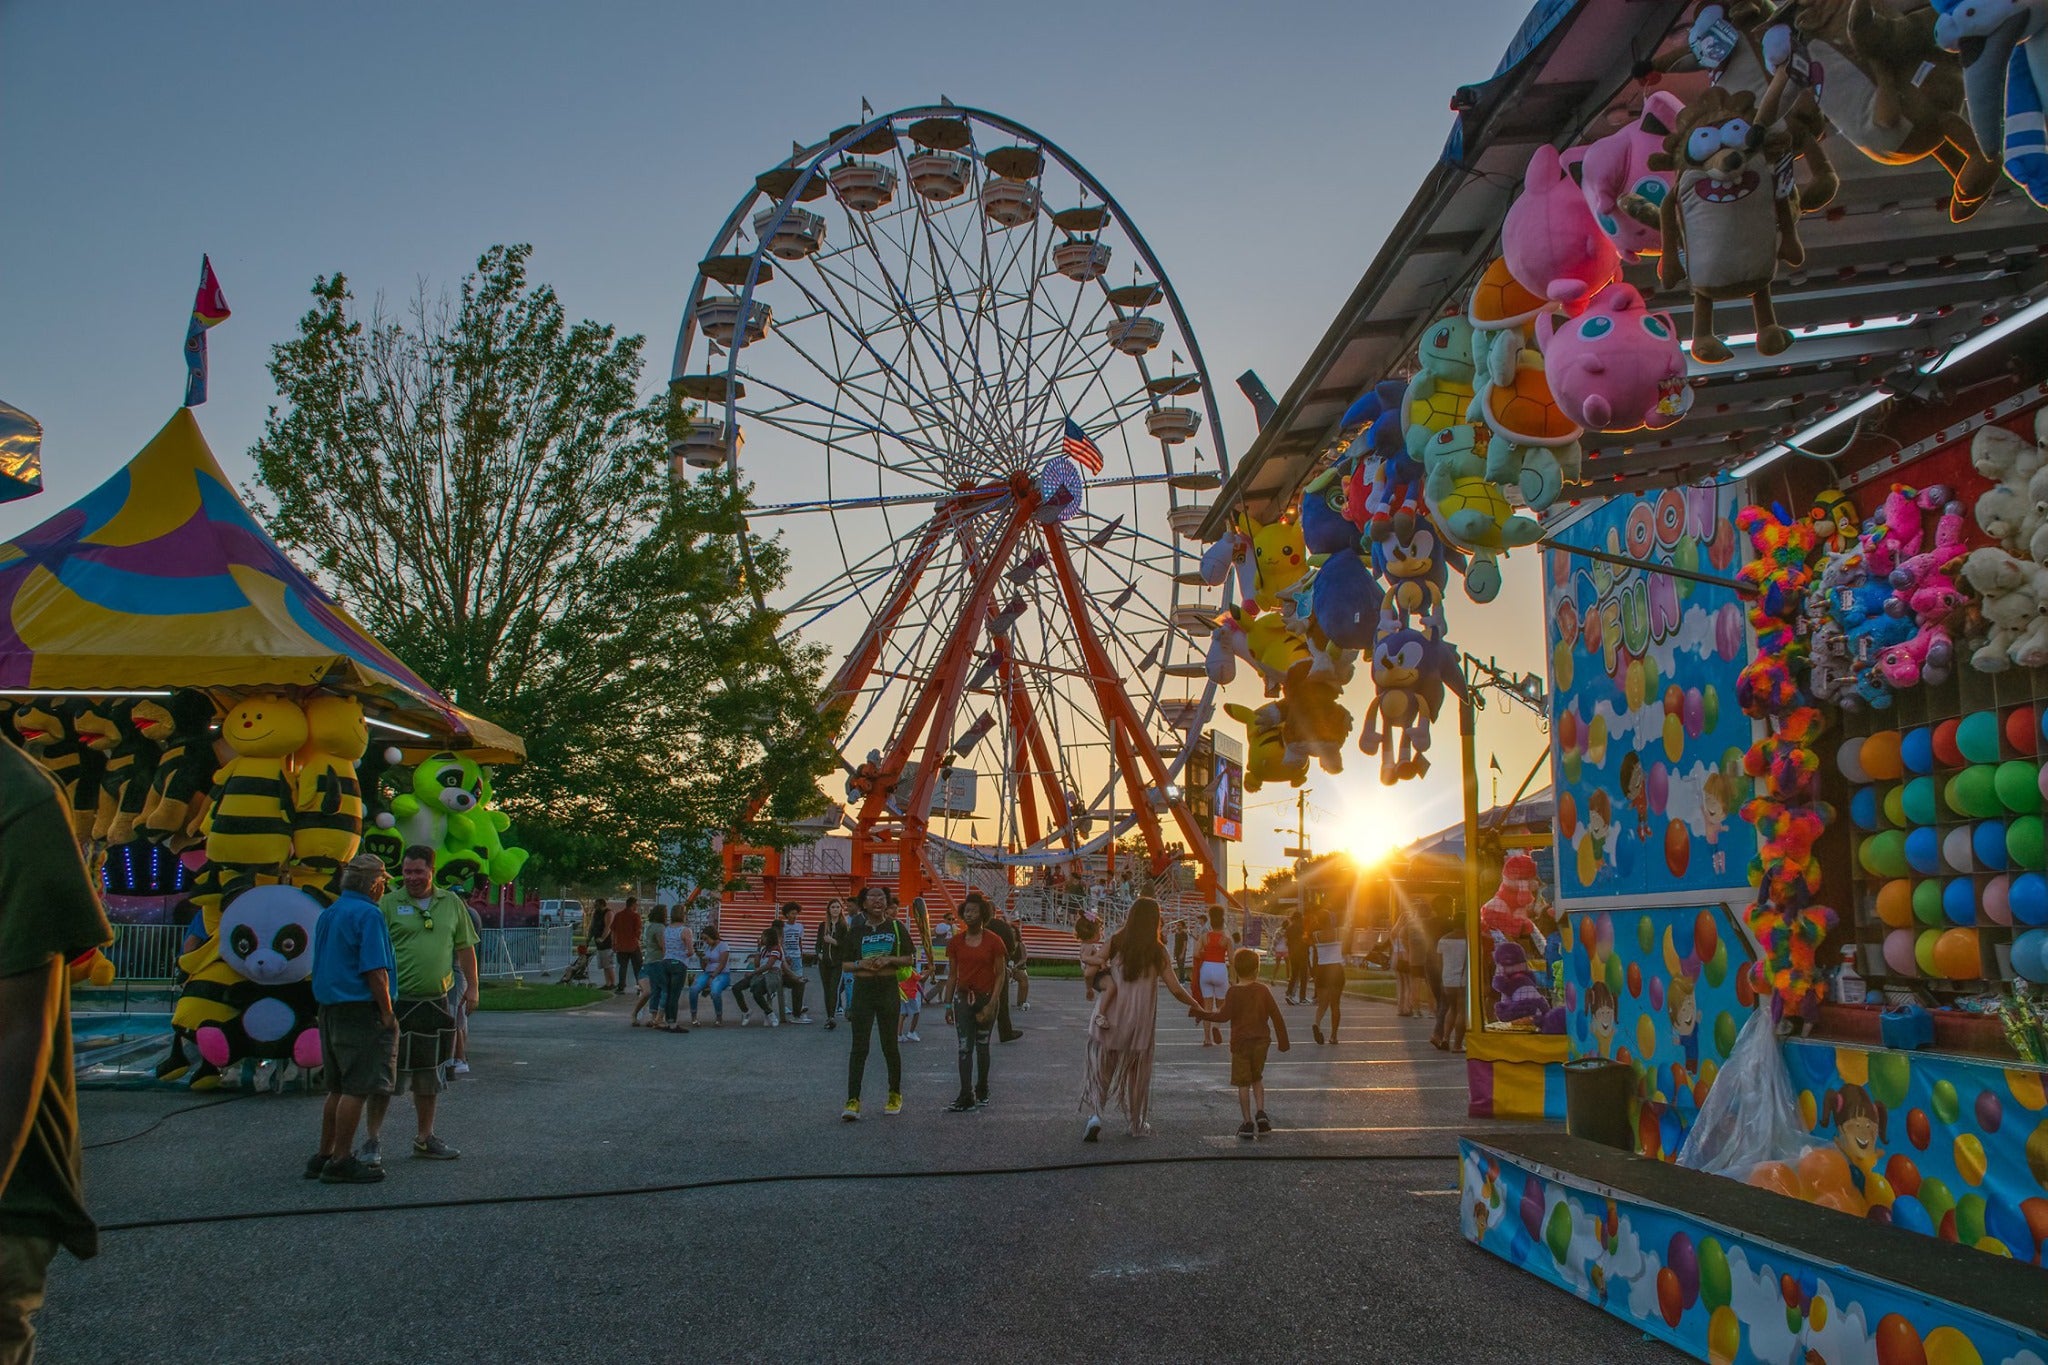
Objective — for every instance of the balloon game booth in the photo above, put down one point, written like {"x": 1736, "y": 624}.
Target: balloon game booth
{"x": 1730, "y": 321}
{"x": 226, "y": 736}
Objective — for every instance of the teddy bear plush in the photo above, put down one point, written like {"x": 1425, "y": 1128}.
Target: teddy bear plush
{"x": 2012, "y": 591}
{"x": 249, "y": 823}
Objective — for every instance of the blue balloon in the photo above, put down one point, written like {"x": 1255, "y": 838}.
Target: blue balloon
{"x": 2030, "y": 955}
{"x": 1923, "y": 850}
{"x": 2003, "y": 1220}
{"x": 1624, "y": 855}
{"x": 1908, "y": 1212}
{"x": 2029, "y": 898}
{"x": 1987, "y": 840}
{"x": 1863, "y": 808}
{"x": 1959, "y": 900}
{"x": 1916, "y": 750}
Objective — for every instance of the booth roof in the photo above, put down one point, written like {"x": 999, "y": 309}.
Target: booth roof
{"x": 1531, "y": 814}
{"x": 1883, "y": 249}
{"x": 160, "y": 577}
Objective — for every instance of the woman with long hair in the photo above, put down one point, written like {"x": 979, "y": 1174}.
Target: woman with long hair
{"x": 1120, "y": 1031}
{"x": 830, "y": 951}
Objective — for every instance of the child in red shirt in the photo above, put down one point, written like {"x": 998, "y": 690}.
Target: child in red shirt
{"x": 1249, "y": 1008}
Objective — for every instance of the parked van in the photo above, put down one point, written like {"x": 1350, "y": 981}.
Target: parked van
{"x": 561, "y": 912}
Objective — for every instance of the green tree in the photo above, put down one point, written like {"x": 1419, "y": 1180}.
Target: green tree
{"x": 479, "y": 482}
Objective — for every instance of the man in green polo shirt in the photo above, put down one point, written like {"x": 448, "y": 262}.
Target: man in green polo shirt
{"x": 431, "y": 933}
{"x": 48, "y": 914}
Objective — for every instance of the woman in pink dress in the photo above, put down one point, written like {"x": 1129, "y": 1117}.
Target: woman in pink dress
{"x": 1120, "y": 1032}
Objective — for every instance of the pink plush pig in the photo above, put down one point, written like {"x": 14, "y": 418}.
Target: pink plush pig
{"x": 1617, "y": 366}
{"x": 1550, "y": 240}
{"x": 1618, "y": 182}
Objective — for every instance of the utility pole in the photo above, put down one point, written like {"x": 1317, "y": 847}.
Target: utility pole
{"x": 1301, "y": 852}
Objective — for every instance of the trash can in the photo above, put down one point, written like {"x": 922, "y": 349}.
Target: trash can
{"x": 1596, "y": 1102}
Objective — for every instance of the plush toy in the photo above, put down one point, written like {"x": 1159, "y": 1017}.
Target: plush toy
{"x": 1893, "y": 93}
{"x": 1731, "y": 41}
{"x": 1620, "y": 188}
{"x": 1225, "y": 554}
{"x": 1469, "y": 509}
{"x": 179, "y": 790}
{"x": 129, "y": 763}
{"x": 485, "y": 831}
{"x": 1226, "y": 646}
{"x": 1781, "y": 573}
{"x": 2002, "y": 455}
{"x": 1313, "y": 723}
{"x": 203, "y": 999}
{"x": 2004, "y": 48}
{"x": 1265, "y": 748}
{"x": 373, "y": 778}
{"x": 1409, "y": 556}
{"x": 1278, "y": 557}
{"x": 1898, "y": 533}
{"x": 1617, "y": 366}
{"x": 249, "y": 824}
{"x": 1724, "y": 230}
{"x": 1276, "y": 647}
{"x": 1552, "y": 243}
{"x": 1519, "y": 996}
{"x": 1345, "y": 601}
{"x": 90, "y": 968}
{"x": 266, "y": 939}
{"x": 1324, "y": 529}
{"x": 1925, "y": 585}
{"x": 328, "y": 828}
{"x": 1831, "y": 667}
{"x": 1410, "y": 671}
{"x": 446, "y": 788}
{"x": 1442, "y": 387}
{"x": 1533, "y": 444}
{"x": 2015, "y": 598}
{"x": 49, "y": 733}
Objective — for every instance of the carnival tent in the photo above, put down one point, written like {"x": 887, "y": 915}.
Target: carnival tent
{"x": 160, "y": 577}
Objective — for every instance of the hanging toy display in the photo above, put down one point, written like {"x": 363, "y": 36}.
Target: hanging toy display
{"x": 2004, "y": 50}
{"x": 265, "y": 938}
{"x": 180, "y": 789}
{"x": 327, "y": 827}
{"x": 1621, "y": 189}
{"x": 249, "y": 822}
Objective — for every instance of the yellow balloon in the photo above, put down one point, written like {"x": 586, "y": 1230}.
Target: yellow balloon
{"x": 1853, "y": 1065}
{"x": 1947, "y": 1346}
{"x": 1632, "y": 684}
{"x": 1671, "y": 960}
{"x": 1724, "y": 1336}
{"x": 1817, "y": 1313}
{"x": 1587, "y": 866}
{"x": 1970, "y": 1162}
{"x": 1674, "y": 738}
{"x": 2027, "y": 1090}
{"x": 1561, "y": 667}
{"x": 1808, "y": 1110}
{"x": 1708, "y": 1070}
{"x": 1992, "y": 1245}
{"x": 1596, "y": 741}
{"x": 1646, "y": 1036}
{"x": 1877, "y": 1191}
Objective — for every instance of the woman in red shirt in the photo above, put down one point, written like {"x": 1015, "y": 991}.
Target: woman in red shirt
{"x": 1212, "y": 973}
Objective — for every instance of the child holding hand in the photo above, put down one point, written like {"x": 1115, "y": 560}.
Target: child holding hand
{"x": 1254, "y": 1016}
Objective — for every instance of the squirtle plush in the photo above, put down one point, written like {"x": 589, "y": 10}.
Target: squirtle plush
{"x": 179, "y": 790}
{"x": 1442, "y": 387}
{"x": 328, "y": 826}
{"x": 265, "y": 939}
{"x": 249, "y": 824}
{"x": 1471, "y": 510}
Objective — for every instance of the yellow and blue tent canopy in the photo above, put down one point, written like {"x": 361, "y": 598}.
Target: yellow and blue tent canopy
{"x": 160, "y": 577}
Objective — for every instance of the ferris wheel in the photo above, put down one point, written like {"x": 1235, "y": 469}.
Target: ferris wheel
{"x": 966, "y": 395}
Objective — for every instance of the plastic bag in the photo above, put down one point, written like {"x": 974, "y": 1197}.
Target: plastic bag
{"x": 1750, "y": 1116}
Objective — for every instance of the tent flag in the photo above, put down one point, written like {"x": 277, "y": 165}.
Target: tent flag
{"x": 209, "y": 309}
{"x": 21, "y": 454}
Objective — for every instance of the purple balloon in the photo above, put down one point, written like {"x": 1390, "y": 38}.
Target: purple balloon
{"x": 1692, "y": 712}
{"x": 1656, "y": 993}
{"x": 1659, "y": 787}
{"x": 1728, "y": 632}
{"x": 1685, "y": 1264}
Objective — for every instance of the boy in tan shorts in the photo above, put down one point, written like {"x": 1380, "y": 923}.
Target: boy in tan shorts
{"x": 1254, "y": 1016}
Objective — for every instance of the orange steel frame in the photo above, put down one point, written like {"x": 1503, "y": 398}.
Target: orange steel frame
{"x": 879, "y": 830}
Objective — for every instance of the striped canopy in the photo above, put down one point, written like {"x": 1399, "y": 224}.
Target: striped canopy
{"x": 160, "y": 577}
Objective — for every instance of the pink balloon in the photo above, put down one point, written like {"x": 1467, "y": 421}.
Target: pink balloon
{"x": 1693, "y": 712}
{"x": 1728, "y": 631}
{"x": 1898, "y": 953}
{"x": 1997, "y": 899}
{"x": 1659, "y": 787}
{"x": 1656, "y": 992}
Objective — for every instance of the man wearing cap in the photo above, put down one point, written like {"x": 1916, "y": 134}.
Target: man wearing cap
{"x": 352, "y": 973}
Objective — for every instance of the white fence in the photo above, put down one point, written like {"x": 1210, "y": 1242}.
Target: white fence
{"x": 150, "y": 952}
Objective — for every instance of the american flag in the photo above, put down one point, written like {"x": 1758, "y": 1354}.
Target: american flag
{"x": 1077, "y": 446}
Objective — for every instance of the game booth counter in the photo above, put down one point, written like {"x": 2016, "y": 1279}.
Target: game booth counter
{"x": 1731, "y": 322}
{"x": 226, "y": 736}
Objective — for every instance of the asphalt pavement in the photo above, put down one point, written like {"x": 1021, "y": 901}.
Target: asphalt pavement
{"x": 627, "y": 1194}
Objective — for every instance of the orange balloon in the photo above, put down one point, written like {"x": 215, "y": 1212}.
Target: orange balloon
{"x": 1956, "y": 955}
{"x": 1776, "y": 1177}
{"x": 1842, "y": 1201}
{"x": 1880, "y": 756}
{"x": 1894, "y": 903}
{"x": 1825, "y": 1170}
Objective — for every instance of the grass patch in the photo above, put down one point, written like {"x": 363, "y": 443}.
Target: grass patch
{"x": 500, "y": 995}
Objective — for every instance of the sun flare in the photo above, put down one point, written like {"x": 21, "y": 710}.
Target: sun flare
{"x": 1369, "y": 828}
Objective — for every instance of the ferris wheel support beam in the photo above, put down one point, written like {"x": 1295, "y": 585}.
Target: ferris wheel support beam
{"x": 1032, "y": 759}
{"x": 1133, "y": 744}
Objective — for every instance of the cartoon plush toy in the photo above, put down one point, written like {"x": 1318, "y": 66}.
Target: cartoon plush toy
{"x": 1925, "y": 585}
{"x": 1620, "y": 188}
{"x": 266, "y": 938}
{"x": 1276, "y": 647}
{"x": 1324, "y": 529}
{"x": 2015, "y": 596}
{"x": 1279, "y": 559}
{"x": 1409, "y": 673}
{"x": 1724, "y": 230}
{"x": 1225, "y": 554}
{"x": 1313, "y": 723}
{"x": 1265, "y": 748}
{"x": 179, "y": 792}
{"x": 1835, "y": 528}
{"x": 1550, "y": 239}
{"x": 1345, "y": 601}
{"x": 2004, "y": 48}
{"x": 1617, "y": 366}
{"x": 1471, "y": 510}
{"x": 1533, "y": 446}
{"x": 1730, "y": 40}
{"x": 435, "y": 814}
{"x": 1442, "y": 387}
{"x": 328, "y": 828}
{"x": 48, "y": 731}
{"x": 249, "y": 824}
{"x": 1408, "y": 555}
{"x": 129, "y": 763}
{"x": 1519, "y": 995}
{"x": 1893, "y": 93}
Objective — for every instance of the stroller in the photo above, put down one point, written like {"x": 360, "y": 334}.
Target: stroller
{"x": 578, "y": 968}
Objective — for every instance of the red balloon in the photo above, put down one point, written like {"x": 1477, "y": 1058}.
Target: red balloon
{"x": 1902, "y": 1174}
{"x": 1670, "y": 1296}
{"x": 1789, "y": 1289}
{"x": 1635, "y": 979}
{"x": 1946, "y": 753}
{"x": 1898, "y": 1343}
{"x": 2021, "y": 731}
{"x": 1919, "y": 1131}
{"x": 1705, "y": 937}
{"x": 1677, "y": 847}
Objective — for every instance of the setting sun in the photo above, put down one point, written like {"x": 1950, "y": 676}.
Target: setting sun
{"x": 1369, "y": 826}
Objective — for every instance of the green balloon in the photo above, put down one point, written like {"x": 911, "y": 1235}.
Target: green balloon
{"x": 1614, "y": 975}
{"x": 1927, "y": 902}
{"x": 1557, "y": 1234}
{"x": 2019, "y": 786}
{"x": 1710, "y": 707}
{"x": 1893, "y": 804}
{"x": 1977, "y": 736}
{"x": 1890, "y": 1073}
{"x": 1714, "y": 1280}
{"x": 1974, "y": 792}
{"x": 1970, "y": 1219}
{"x": 1923, "y": 951}
{"x": 1646, "y": 933}
{"x": 1917, "y": 803}
{"x": 1716, "y": 967}
{"x": 2025, "y": 843}
{"x": 1935, "y": 1198}
{"x": 1724, "y": 1033}
{"x": 1947, "y": 1104}
{"x": 1884, "y": 854}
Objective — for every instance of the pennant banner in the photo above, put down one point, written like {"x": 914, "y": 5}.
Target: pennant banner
{"x": 209, "y": 309}
{"x": 21, "y": 454}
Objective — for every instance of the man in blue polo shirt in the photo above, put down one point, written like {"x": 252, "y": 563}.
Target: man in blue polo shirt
{"x": 352, "y": 972}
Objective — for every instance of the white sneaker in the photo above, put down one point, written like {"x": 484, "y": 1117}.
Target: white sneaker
{"x": 774, "y": 1021}
{"x": 460, "y": 1068}
{"x": 801, "y": 1019}
{"x": 746, "y": 1019}
{"x": 914, "y": 1038}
